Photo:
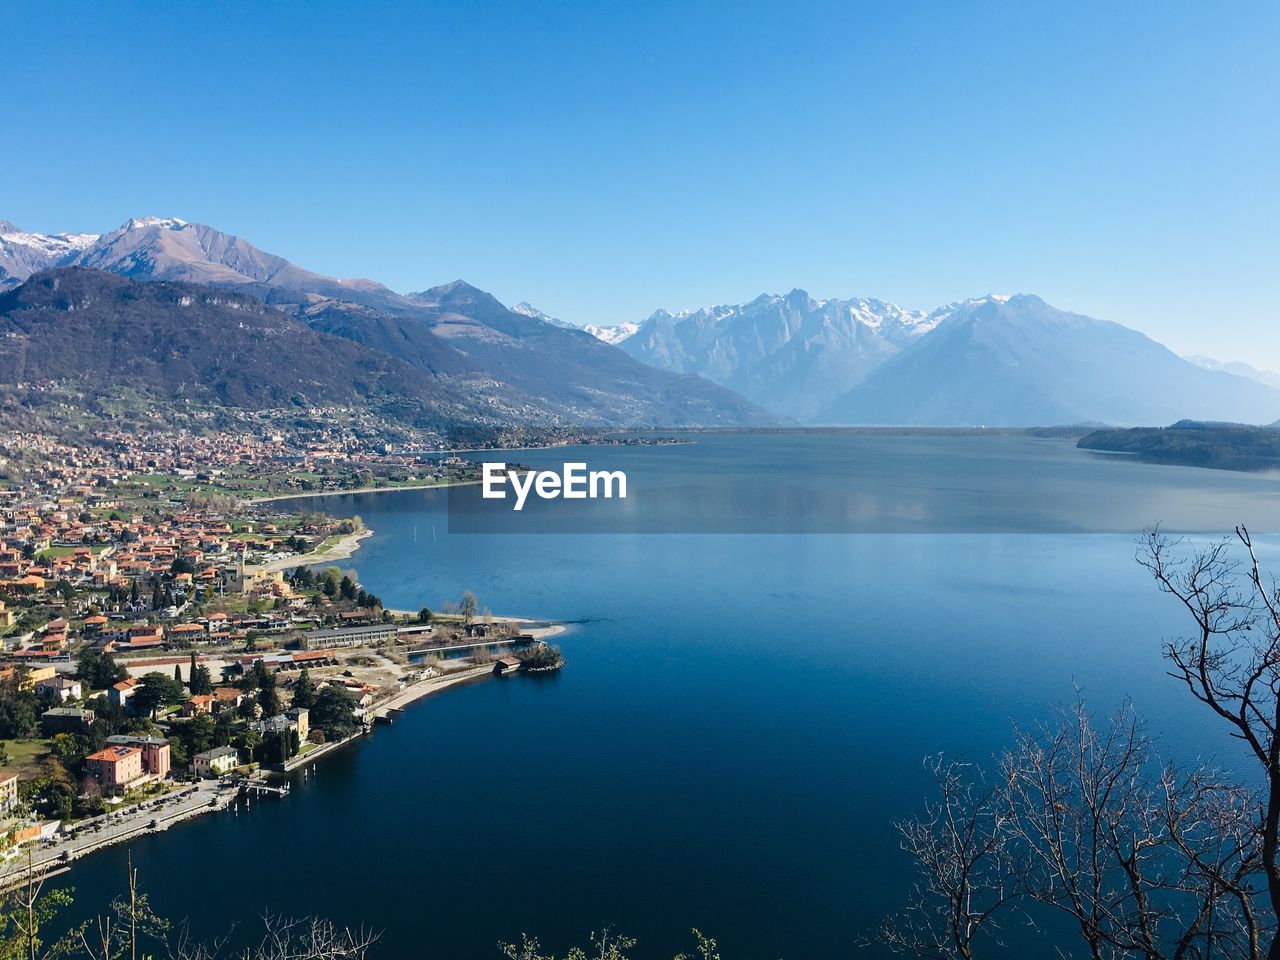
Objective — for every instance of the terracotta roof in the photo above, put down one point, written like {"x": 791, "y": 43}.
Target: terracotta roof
{"x": 113, "y": 754}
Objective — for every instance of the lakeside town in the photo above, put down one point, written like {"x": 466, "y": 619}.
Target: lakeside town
{"x": 172, "y": 637}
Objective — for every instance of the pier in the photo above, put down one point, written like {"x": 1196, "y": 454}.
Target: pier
{"x": 258, "y": 788}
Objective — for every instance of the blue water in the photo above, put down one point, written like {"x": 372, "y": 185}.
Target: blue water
{"x": 741, "y": 719}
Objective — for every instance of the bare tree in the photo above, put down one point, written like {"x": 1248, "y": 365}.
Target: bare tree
{"x": 966, "y": 873}
{"x": 1230, "y": 662}
{"x": 121, "y": 933}
{"x": 1084, "y": 822}
{"x": 287, "y": 938}
{"x": 468, "y": 606}
{"x": 1098, "y": 829}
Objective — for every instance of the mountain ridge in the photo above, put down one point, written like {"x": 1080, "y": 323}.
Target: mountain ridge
{"x": 531, "y": 370}
{"x": 789, "y": 353}
{"x": 104, "y": 333}
{"x": 1017, "y": 361}
{"x": 1009, "y": 360}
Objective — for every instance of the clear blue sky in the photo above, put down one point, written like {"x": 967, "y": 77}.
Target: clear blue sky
{"x": 604, "y": 159}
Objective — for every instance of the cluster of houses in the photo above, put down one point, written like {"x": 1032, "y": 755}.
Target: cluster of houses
{"x": 84, "y": 562}
{"x": 42, "y": 546}
{"x": 127, "y": 762}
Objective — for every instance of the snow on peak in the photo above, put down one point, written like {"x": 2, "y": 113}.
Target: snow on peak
{"x": 615, "y": 334}
{"x": 23, "y": 253}
{"x": 525, "y": 308}
{"x": 168, "y": 223}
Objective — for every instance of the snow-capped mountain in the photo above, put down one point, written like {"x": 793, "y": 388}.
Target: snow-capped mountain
{"x": 167, "y": 248}
{"x": 510, "y": 365}
{"x": 1017, "y": 361}
{"x": 994, "y": 359}
{"x": 23, "y": 253}
{"x": 526, "y": 309}
{"x": 614, "y": 334}
{"x": 792, "y": 354}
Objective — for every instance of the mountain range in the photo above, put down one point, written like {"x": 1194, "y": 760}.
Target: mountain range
{"x": 791, "y": 354}
{"x": 1014, "y": 361}
{"x": 994, "y": 360}
{"x": 501, "y": 365}
{"x": 455, "y": 353}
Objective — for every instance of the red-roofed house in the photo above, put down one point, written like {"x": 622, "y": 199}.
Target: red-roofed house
{"x": 120, "y": 693}
{"x": 115, "y": 768}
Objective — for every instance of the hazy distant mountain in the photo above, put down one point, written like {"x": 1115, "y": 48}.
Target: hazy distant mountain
{"x": 1268, "y": 377}
{"x": 23, "y": 253}
{"x": 1018, "y": 361}
{"x": 791, "y": 354}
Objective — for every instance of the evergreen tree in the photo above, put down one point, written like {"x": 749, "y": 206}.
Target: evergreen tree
{"x": 110, "y": 671}
{"x": 268, "y": 696}
{"x": 201, "y": 681}
{"x": 334, "y": 713}
{"x": 304, "y": 691}
{"x": 222, "y": 729}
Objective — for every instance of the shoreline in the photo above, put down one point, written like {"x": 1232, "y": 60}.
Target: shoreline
{"x": 197, "y": 799}
{"x": 344, "y": 549}
{"x": 211, "y": 796}
{"x": 48, "y": 860}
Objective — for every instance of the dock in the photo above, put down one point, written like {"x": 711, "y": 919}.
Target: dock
{"x": 258, "y": 788}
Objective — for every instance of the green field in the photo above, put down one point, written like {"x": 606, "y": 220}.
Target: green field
{"x": 24, "y": 755}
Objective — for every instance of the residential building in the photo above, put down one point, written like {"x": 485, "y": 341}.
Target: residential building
{"x": 214, "y": 763}
{"x": 227, "y": 697}
{"x": 116, "y": 767}
{"x": 155, "y": 752}
{"x": 61, "y": 689}
{"x": 198, "y": 704}
{"x": 35, "y": 674}
{"x": 119, "y": 694}
{"x": 301, "y": 720}
{"x": 8, "y": 793}
{"x": 66, "y": 720}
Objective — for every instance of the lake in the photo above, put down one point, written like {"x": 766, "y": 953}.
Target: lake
{"x": 742, "y": 716}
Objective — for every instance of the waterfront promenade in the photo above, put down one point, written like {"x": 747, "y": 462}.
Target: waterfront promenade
{"x": 205, "y": 796}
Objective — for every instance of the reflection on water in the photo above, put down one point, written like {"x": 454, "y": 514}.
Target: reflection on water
{"x": 741, "y": 718}
{"x": 834, "y": 482}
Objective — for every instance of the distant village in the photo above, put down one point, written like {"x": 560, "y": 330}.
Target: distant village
{"x": 162, "y": 625}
